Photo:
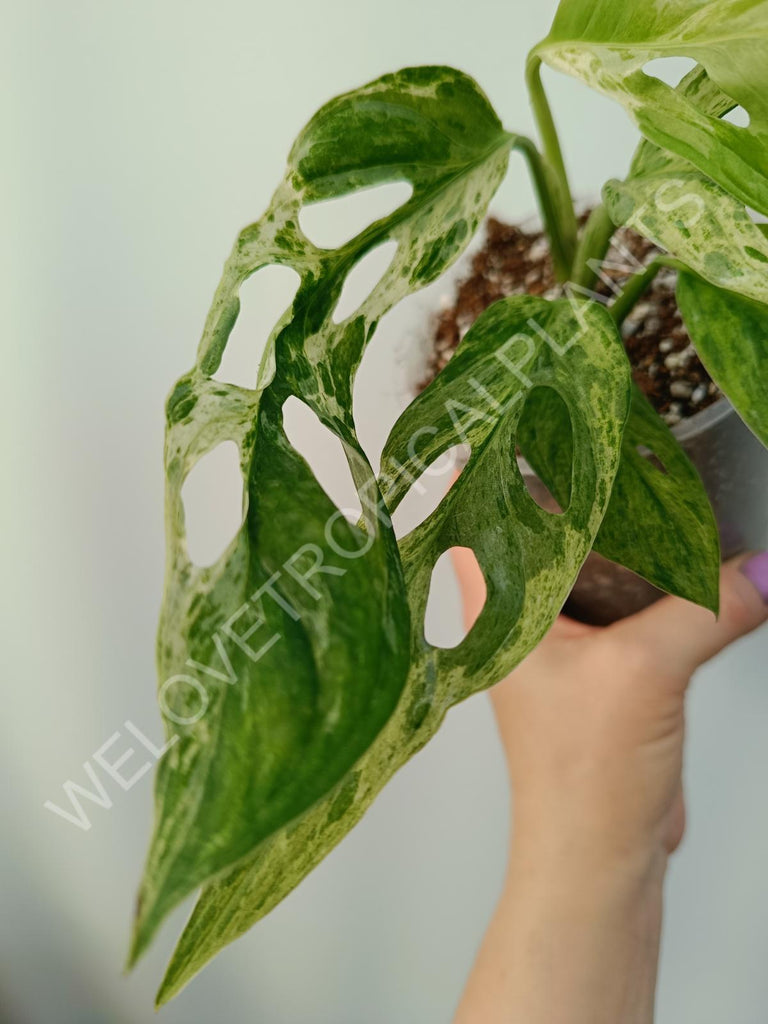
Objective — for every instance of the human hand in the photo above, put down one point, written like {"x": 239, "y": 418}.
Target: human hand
{"x": 592, "y": 724}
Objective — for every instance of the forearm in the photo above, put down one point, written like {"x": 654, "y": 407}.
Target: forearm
{"x": 592, "y": 724}
{"x": 569, "y": 944}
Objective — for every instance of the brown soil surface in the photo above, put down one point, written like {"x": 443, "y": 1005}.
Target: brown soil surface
{"x": 516, "y": 262}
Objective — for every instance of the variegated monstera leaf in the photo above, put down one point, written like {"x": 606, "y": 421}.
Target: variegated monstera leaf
{"x": 696, "y": 176}
{"x": 295, "y": 677}
{"x": 609, "y": 45}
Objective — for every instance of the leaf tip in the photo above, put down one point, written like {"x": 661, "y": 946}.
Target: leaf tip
{"x": 146, "y": 920}
{"x": 165, "y": 994}
{"x": 178, "y": 975}
{"x": 136, "y": 949}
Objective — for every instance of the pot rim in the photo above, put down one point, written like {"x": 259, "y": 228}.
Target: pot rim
{"x": 704, "y": 420}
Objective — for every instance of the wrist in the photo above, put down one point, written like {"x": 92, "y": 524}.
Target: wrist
{"x": 584, "y": 941}
{"x": 596, "y": 849}
{"x": 571, "y": 875}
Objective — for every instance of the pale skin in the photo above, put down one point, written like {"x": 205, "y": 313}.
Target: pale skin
{"x": 592, "y": 725}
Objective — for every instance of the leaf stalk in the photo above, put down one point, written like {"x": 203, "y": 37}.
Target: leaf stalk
{"x": 553, "y": 160}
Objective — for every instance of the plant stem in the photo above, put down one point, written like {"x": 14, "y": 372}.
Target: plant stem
{"x": 553, "y": 163}
{"x": 632, "y": 291}
{"x": 549, "y": 207}
{"x": 592, "y": 246}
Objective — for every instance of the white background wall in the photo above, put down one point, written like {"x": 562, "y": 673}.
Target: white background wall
{"x": 138, "y": 139}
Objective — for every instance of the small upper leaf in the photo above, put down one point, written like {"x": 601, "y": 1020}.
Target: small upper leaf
{"x": 698, "y": 222}
{"x": 698, "y": 89}
{"x": 724, "y": 301}
{"x": 607, "y": 45}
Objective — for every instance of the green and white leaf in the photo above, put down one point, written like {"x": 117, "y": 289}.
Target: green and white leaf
{"x": 665, "y": 199}
{"x": 659, "y": 524}
{"x": 296, "y": 683}
{"x": 516, "y": 348}
{"x": 699, "y": 90}
{"x": 697, "y": 222}
{"x": 731, "y": 338}
{"x": 607, "y": 45}
{"x": 728, "y": 250}
{"x": 529, "y": 557}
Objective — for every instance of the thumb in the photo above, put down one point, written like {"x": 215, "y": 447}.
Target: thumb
{"x": 682, "y": 635}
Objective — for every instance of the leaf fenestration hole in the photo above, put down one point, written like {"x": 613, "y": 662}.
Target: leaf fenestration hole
{"x": 670, "y": 70}
{"x": 653, "y": 458}
{"x": 737, "y": 116}
{"x": 439, "y": 630}
{"x": 332, "y": 222}
{"x": 324, "y": 452}
{"x": 212, "y": 495}
{"x": 545, "y": 439}
{"x": 264, "y": 297}
{"x": 539, "y": 491}
{"x": 362, "y": 279}
{"x": 428, "y": 489}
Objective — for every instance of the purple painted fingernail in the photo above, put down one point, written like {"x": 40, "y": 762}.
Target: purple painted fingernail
{"x": 756, "y": 570}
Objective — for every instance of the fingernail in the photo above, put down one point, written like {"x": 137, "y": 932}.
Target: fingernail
{"x": 756, "y": 571}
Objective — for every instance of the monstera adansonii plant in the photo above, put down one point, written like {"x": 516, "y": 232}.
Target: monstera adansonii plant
{"x": 295, "y": 677}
